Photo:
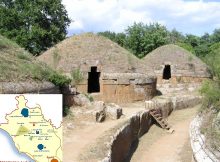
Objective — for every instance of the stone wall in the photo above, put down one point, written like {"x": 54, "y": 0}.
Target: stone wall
{"x": 175, "y": 80}
{"x": 200, "y": 151}
{"x": 174, "y": 102}
{"x": 167, "y": 88}
{"x": 28, "y": 87}
{"x": 185, "y": 101}
{"x": 123, "y": 88}
{"x": 122, "y": 141}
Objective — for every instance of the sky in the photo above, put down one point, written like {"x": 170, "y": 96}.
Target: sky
{"x": 187, "y": 16}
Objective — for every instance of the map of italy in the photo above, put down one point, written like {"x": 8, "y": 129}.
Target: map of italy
{"x": 32, "y": 134}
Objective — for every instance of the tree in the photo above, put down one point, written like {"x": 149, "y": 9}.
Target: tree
{"x": 216, "y": 36}
{"x": 175, "y": 37}
{"x": 142, "y": 39}
{"x": 192, "y": 40}
{"x": 35, "y": 25}
{"x": 156, "y": 35}
{"x": 203, "y": 48}
{"x": 121, "y": 39}
{"x": 200, "y": 44}
{"x": 135, "y": 38}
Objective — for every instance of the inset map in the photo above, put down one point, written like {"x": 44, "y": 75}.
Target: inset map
{"x": 32, "y": 125}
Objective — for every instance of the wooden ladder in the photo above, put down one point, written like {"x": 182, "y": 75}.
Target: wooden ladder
{"x": 156, "y": 114}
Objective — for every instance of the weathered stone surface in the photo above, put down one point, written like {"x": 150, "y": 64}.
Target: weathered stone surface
{"x": 81, "y": 100}
{"x": 185, "y": 101}
{"x": 145, "y": 122}
{"x": 113, "y": 111}
{"x": 100, "y": 116}
{"x": 167, "y": 88}
{"x": 95, "y": 111}
{"x": 99, "y": 105}
{"x": 70, "y": 126}
{"x": 28, "y": 87}
{"x": 127, "y": 136}
{"x": 149, "y": 104}
{"x": 68, "y": 100}
{"x": 99, "y": 111}
{"x": 200, "y": 152}
{"x": 124, "y": 138}
{"x": 182, "y": 63}
{"x": 129, "y": 78}
{"x": 68, "y": 89}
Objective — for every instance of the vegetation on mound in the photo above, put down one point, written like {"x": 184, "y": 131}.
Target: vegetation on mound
{"x": 17, "y": 64}
{"x": 74, "y": 51}
{"x": 211, "y": 103}
{"x": 77, "y": 76}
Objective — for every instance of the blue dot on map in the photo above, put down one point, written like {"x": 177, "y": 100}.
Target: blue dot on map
{"x": 25, "y": 112}
{"x": 40, "y": 147}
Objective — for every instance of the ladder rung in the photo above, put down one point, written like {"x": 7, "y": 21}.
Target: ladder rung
{"x": 157, "y": 116}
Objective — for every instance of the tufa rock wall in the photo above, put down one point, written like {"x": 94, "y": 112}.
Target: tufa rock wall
{"x": 123, "y": 140}
{"x": 123, "y": 88}
{"x": 179, "y": 79}
{"x": 200, "y": 151}
{"x": 28, "y": 87}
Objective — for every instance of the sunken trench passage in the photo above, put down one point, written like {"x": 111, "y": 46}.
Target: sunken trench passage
{"x": 167, "y": 72}
{"x": 93, "y": 80}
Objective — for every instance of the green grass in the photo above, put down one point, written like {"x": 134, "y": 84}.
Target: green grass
{"x": 77, "y": 76}
{"x": 16, "y": 65}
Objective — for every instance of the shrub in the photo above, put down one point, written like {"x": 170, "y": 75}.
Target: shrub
{"x": 211, "y": 93}
{"x": 58, "y": 79}
{"x": 211, "y": 88}
{"x": 77, "y": 76}
{"x": 66, "y": 111}
{"x": 24, "y": 56}
{"x": 213, "y": 60}
{"x": 91, "y": 99}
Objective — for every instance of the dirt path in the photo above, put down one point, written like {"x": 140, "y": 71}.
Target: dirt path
{"x": 159, "y": 146}
{"x": 78, "y": 139}
{"x": 154, "y": 146}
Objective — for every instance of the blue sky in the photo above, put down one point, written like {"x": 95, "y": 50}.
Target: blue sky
{"x": 187, "y": 16}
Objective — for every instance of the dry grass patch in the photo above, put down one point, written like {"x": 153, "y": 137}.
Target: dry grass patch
{"x": 208, "y": 128}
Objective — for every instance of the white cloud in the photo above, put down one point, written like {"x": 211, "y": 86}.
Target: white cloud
{"x": 76, "y": 25}
{"x": 127, "y": 18}
{"x": 116, "y": 15}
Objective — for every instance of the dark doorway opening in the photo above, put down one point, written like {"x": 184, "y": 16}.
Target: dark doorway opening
{"x": 93, "y": 80}
{"x": 167, "y": 72}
